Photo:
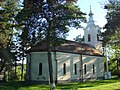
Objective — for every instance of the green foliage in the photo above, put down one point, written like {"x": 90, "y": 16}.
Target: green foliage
{"x": 38, "y": 18}
{"x": 79, "y": 38}
{"x": 113, "y": 67}
{"x": 12, "y": 76}
{"x": 7, "y": 14}
{"x": 8, "y": 10}
{"x": 111, "y": 35}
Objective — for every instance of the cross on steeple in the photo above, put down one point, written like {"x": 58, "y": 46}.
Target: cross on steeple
{"x": 90, "y": 14}
{"x": 90, "y": 20}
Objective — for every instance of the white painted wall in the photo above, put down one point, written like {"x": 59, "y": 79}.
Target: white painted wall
{"x": 93, "y": 31}
{"x": 36, "y": 58}
{"x": 99, "y": 67}
{"x": 70, "y": 60}
{"x": 61, "y": 59}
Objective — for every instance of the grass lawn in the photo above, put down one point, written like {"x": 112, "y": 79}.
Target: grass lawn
{"x": 113, "y": 84}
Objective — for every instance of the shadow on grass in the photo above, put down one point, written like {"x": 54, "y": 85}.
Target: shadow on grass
{"x": 76, "y": 85}
{"x": 16, "y": 85}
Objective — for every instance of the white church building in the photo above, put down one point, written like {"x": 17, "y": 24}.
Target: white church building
{"x": 71, "y": 61}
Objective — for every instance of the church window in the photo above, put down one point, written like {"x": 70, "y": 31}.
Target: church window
{"x": 64, "y": 69}
{"x": 89, "y": 38}
{"x": 98, "y": 37}
{"x": 85, "y": 69}
{"x": 40, "y": 68}
{"x": 75, "y": 68}
{"x": 93, "y": 69}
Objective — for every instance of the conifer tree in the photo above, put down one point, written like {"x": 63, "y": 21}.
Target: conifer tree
{"x": 48, "y": 20}
{"x": 8, "y": 11}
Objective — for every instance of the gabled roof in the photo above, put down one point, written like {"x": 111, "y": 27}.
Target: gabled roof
{"x": 68, "y": 47}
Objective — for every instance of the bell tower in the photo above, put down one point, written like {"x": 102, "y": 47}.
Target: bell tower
{"x": 92, "y": 33}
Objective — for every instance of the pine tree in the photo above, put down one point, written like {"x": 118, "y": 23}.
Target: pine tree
{"x": 48, "y": 20}
{"x": 8, "y": 11}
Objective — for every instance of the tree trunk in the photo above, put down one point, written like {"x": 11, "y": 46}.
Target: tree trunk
{"x": 81, "y": 68}
{"x": 15, "y": 70}
{"x": 22, "y": 69}
{"x": 118, "y": 67}
{"x": 52, "y": 84}
{"x": 1, "y": 68}
{"x": 2, "y": 65}
{"x": 4, "y": 78}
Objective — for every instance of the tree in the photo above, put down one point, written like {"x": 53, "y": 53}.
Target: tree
{"x": 8, "y": 10}
{"x": 113, "y": 24}
{"x": 48, "y": 20}
{"x": 79, "y": 38}
{"x": 112, "y": 34}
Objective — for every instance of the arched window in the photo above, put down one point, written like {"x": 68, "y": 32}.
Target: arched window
{"x": 85, "y": 69}
{"x": 64, "y": 69}
{"x": 98, "y": 37}
{"x": 93, "y": 69}
{"x": 89, "y": 38}
{"x": 75, "y": 68}
{"x": 40, "y": 68}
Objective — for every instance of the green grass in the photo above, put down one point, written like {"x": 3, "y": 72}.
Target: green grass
{"x": 113, "y": 84}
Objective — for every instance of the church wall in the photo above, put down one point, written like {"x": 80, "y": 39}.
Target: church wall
{"x": 70, "y": 60}
{"x": 36, "y": 58}
{"x": 100, "y": 67}
{"x": 98, "y": 63}
{"x": 75, "y": 75}
{"x": 63, "y": 58}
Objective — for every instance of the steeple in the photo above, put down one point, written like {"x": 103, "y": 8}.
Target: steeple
{"x": 90, "y": 14}
{"x": 91, "y": 32}
{"x": 90, "y": 21}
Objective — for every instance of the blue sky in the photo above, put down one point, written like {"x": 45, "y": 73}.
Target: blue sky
{"x": 98, "y": 11}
